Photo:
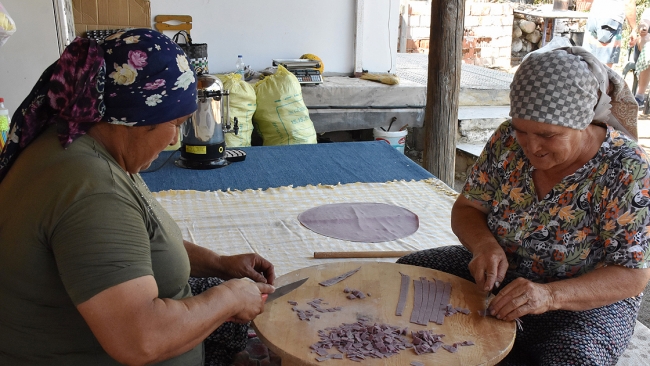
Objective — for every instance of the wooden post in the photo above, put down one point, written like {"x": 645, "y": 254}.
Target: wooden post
{"x": 443, "y": 88}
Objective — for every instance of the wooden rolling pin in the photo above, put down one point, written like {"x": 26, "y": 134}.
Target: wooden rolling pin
{"x": 366, "y": 254}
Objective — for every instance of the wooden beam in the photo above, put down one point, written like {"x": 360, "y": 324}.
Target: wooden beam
{"x": 443, "y": 88}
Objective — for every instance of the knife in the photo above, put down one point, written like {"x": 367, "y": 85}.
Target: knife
{"x": 283, "y": 290}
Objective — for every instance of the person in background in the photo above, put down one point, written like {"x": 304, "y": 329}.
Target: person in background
{"x": 642, "y": 67}
{"x": 554, "y": 215}
{"x": 605, "y": 27}
{"x": 93, "y": 270}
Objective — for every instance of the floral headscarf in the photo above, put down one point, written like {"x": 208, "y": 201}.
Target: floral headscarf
{"x": 138, "y": 77}
{"x": 148, "y": 79}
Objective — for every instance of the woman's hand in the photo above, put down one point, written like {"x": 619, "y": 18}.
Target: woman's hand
{"x": 248, "y": 295}
{"x": 469, "y": 223}
{"x": 488, "y": 266}
{"x": 206, "y": 263}
{"x": 249, "y": 265}
{"x": 519, "y": 298}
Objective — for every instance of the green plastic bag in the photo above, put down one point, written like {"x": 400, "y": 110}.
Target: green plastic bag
{"x": 281, "y": 116}
{"x": 242, "y": 102}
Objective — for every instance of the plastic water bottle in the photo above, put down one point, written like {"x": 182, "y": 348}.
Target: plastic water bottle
{"x": 240, "y": 66}
{"x": 4, "y": 123}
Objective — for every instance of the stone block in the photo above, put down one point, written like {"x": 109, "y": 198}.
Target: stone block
{"x": 527, "y": 26}
{"x": 502, "y": 41}
{"x": 479, "y": 9}
{"x": 425, "y": 20}
{"x": 420, "y": 32}
{"x": 478, "y": 130}
{"x": 489, "y": 52}
{"x": 496, "y": 9}
{"x": 471, "y": 21}
{"x": 516, "y": 45}
{"x": 516, "y": 32}
{"x": 504, "y": 52}
{"x": 534, "y": 37}
{"x": 490, "y": 31}
{"x": 485, "y": 20}
{"x": 414, "y": 21}
{"x": 506, "y": 20}
{"x": 420, "y": 7}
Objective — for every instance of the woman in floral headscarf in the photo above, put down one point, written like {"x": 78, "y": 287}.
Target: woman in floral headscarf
{"x": 554, "y": 215}
{"x": 93, "y": 271}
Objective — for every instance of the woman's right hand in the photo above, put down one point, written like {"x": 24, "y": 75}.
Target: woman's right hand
{"x": 488, "y": 265}
{"x": 247, "y": 294}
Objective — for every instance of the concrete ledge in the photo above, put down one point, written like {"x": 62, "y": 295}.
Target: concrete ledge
{"x": 346, "y": 92}
{"x": 328, "y": 120}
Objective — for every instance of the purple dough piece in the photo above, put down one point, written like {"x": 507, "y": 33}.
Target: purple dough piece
{"x": 417, "y": 301}
{"x": 338, "y": 279}
{"x": 403, "y": 293}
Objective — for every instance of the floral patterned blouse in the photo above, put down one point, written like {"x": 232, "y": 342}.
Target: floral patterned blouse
{"x": 597, "y": 216}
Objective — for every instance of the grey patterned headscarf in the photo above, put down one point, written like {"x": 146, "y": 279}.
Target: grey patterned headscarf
{"x": 561, "y": 87}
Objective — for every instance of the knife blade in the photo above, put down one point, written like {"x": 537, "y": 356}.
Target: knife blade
{"x": 283, "y": 290}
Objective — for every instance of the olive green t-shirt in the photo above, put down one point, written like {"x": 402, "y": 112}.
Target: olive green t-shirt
{"x": 72, "y": 224}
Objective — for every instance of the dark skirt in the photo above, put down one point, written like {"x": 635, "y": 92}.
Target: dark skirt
{"x": 592, "y": 337}
{"x": 226, "y": 341}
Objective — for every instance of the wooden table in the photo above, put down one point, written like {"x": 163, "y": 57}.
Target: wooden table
{"x": 290, "y": 338}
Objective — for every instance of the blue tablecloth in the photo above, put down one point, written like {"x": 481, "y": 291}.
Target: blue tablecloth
{"x": 297, "y": 165}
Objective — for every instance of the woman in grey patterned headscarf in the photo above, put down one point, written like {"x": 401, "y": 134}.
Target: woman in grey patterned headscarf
{"x": 554, "y": 215}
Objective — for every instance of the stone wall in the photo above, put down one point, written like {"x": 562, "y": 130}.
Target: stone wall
{"x": 488, "y": 28}
{"x": 487, "y": 38}
{"x": 527, "y": 33}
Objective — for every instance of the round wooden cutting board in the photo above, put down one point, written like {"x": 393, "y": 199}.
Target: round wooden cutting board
{"x": 289, "y": 337}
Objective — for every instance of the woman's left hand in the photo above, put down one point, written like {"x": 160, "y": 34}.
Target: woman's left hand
{"x": 248, "y": 265}
{"x": 519, "y": 298}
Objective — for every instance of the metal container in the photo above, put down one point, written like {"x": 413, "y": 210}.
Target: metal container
{"x": 203, "y": 145}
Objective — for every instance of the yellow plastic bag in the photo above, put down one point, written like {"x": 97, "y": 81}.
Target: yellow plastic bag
{"x": 281, "y": 116}
{"x": 7, "y": 25}
{"x": 242, "y": 102}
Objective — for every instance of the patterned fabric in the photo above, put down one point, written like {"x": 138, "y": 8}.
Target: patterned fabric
{"x": 594, "y": 217}
{"x": 68, "y": 93}
{"x": 149, "y": 79}
{"x": 138, "y": 77}
{"x": 554, "y": 87}
{"x": 221, "y": 346}
{"x": 592, "y": 337}
{"x": 561, "y": 86}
